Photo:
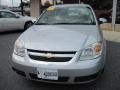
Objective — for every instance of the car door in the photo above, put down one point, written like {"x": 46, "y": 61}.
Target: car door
{"x": 10, "y": 21}
{"x": 1, "y": 23}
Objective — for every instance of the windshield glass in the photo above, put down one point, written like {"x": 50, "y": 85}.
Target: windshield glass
{"x": 67, "y": 15}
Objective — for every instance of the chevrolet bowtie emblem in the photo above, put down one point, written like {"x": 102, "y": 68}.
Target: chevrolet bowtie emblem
{"x": 49, "y": 55}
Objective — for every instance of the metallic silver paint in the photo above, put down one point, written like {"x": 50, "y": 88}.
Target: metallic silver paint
{"x": 62, "y": 38}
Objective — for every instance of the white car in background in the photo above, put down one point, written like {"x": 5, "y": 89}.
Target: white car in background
{"x": 13, "y": 21}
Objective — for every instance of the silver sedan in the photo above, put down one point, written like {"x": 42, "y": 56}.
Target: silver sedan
{"x": 13, "y": 21}
{"x": 65, "y": 45}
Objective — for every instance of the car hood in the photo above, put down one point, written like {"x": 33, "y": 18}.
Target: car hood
{"x": 60, "y": 37}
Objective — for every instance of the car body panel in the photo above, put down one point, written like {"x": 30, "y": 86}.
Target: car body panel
{"x": 43, "y": 40}
{"x": 14, "y": 23}
{"x": 65, "y": 37}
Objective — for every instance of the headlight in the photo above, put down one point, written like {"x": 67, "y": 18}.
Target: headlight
{"x": 34, "y": 20}
{"x": 92, "y": 51}
{"x": 19, "y": 48}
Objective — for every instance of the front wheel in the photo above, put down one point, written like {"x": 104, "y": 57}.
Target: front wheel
{"x": 27, "y": 25}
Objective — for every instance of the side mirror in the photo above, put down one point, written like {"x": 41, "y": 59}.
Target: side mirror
{"x": 102, "y": 20}
{"x": 34, "y": 20}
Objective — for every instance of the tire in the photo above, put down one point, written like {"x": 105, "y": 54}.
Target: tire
{"x": 27, "y": 25}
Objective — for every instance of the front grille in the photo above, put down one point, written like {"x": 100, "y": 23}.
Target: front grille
{"x": 53, "y": 59}
{"x": 57, "y": 56}
{"x": 60, "y": 79}
{"x": 53, "y": 52}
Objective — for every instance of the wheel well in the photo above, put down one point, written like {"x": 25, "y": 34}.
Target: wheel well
{"x": 26, "y": 23}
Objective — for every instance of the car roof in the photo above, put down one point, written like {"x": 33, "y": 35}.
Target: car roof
{"x": 5, "y": 10}
{"x": 72, "y": 5}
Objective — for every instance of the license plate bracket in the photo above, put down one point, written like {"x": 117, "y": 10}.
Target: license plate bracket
{"x": 48, "y": 74}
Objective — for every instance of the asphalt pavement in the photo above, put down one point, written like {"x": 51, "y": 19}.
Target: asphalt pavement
{"x": 9, "y": 80}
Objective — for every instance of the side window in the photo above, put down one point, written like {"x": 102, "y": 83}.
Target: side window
{"x": 5, "y": 14}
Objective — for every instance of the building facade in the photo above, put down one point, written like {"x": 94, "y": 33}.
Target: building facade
{"x": 37, "y": 7}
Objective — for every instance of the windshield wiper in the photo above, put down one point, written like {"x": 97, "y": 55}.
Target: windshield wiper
{"x": 75, "y": 23}
{"x": 62, "y": 23}
{"x": 65, "y": 23}
{"x": 51, "y": 23}
{"x": 42, "y": 24}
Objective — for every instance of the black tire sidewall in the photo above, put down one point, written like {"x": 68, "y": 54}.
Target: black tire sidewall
{"x": 27, "y": 25}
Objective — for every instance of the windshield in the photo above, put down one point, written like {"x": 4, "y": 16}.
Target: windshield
{"x": 67, "y": 15}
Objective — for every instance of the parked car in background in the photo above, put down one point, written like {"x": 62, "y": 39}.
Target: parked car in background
{"x": 65, "y": 45}
{"x": 117, "y": 15}
{"x": 107, "y": 14}
{"x": 13, "y": 21}
{"x": 103, "y": 14}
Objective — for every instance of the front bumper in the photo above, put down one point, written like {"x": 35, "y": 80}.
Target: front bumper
{"x": 70, "y": 73}
{"x": 65, "y": 76}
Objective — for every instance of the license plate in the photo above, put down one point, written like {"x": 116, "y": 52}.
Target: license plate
{"x": 47, "y": 74}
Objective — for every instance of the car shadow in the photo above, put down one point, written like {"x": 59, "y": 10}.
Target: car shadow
{"x": 10, "y": 32}
{"x": 108, "y": 81}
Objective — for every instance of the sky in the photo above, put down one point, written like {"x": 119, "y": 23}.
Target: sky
{"x": 15, "y": 2}
{"x": 9, "y": 2}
